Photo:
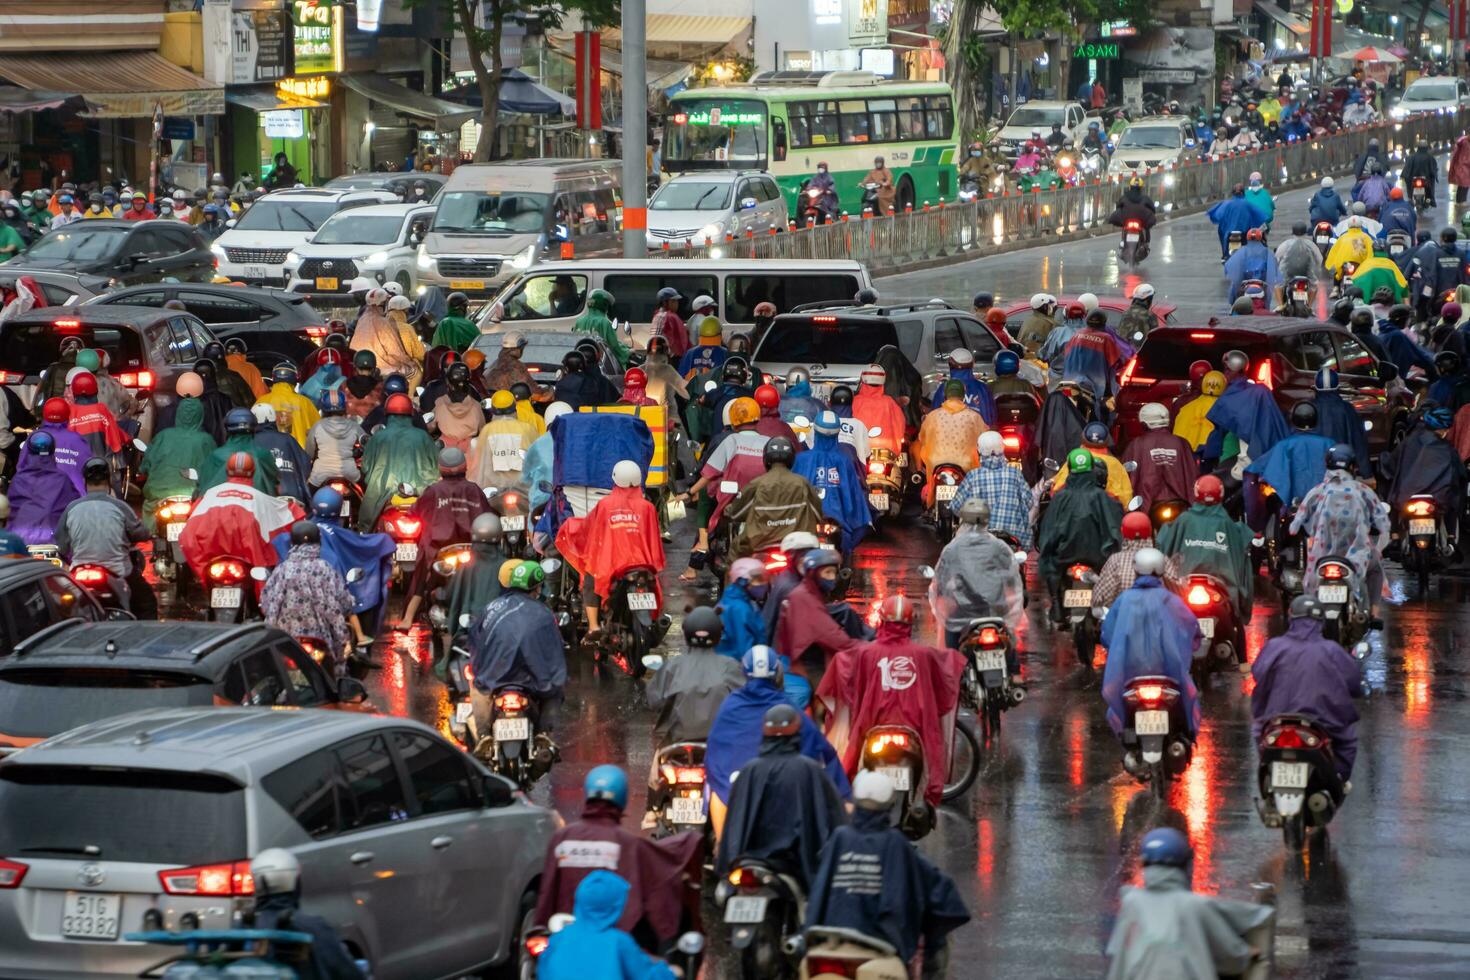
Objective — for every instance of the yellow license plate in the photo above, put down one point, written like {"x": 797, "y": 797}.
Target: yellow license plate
{"x": 466, "y": 284}
{"x": 325, "y": 283}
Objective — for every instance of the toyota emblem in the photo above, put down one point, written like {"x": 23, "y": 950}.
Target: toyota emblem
{"x": 326, "y": 265}
{"x": 91, "y": 875}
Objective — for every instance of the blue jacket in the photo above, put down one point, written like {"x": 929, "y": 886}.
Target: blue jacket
{"x": 704, "y": 357}
{"x": 1294, "y": 465}
{"x": 345, "y": 549}
{"x": 744, "y": 627}
{"x": 1403, "y": 352}
{"x": 515, "y": 640}
{"x": 1326, "y": 205}
{"x": 1253, "y": 260}
{"x": 977, "y": 393}
{"x": 1149, "y": 631}
{"x": 1398, "y": 216}
{"x": 1436, "y": 270}
{"x": 735, "y": 737}
{"x": 799, "y": 400}
{"x": 1337, "y": 421}
{"x": 592, "y": 947}
{"x": 1235, "y": 214}
{"x": 537, "y": 468}
{"x": 1248, "y": 410}
{"x": 839, "y": 481}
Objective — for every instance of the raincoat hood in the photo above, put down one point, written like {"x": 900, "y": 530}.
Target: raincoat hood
{"x": 600, "y": 899}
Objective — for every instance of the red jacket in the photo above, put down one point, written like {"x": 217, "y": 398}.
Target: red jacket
{"x": 618, "y": 534}
{"x": 97, "y": 419}
{"x": 132, "y": 214}
{"x": 1166, "y": 467}
{"x": 1460, "y": 163}
{"x": 804, "y": 623}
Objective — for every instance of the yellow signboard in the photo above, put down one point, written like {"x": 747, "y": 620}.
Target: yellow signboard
{"x": 314, "y": 87}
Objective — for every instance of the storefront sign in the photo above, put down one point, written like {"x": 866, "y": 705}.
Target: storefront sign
{"x": 368, "y": 12}
{"x": 175, "y": 128}
{"x": 317, "y": 30}
{"x": 1117, "y": 28}
{"x": 260, "y": 46}
{"x": 879, "y": 61}
{"x": 318, "y": 87}
{"x": 1168, "y": 76}
{"x": 283, "y": 124}
{"x": 1097, "y": 50}
{"x": 867, "y": 23}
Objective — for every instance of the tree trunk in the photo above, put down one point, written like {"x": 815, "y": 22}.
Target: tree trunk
{"x": 487, "y": 79}
{"x": 1419, "y": 27}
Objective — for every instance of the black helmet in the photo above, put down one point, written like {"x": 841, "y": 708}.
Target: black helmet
{"x": 841, "y": 395}
{"x": 458, "y": 376}
{"x": 703, "y": 627}
{"x": 239, "y": 421}
{"x": 1382, "y": 295}
{"x": 1362, "y": 317}
{"x": 96, "y": 470}
{"x": 1304, "y": 415}
{"x": 305, "y": 532}
{"x": 457, "y": 303}
{"x": 1447, "y": 362}
{"x": 573, "y": 362}
{"x": 781, "y": 721}
{"x": 1340, "y": 457}
{"x": 1343, "y": 307}
{"x": 735, "y": 371}
{"x": 204, "y": 367}
{"x": 214, "y": 350}
{"x": 1448, "y": 235}
{"x": 364, "y": 362}
{"x": 778, "y": 450}
{"x": 1400, "y": 314}
{"x": 1299, "y": 228}
{"x": 485, "y": 529}
{"x": 236, "y": 345}
{"x": 520, "y": 391}
{"x": 866, "y": 297}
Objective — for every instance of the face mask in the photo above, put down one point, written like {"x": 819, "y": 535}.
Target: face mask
{"x": 821, "y": 170}
{"x": 826, "y": 585}
{"x": 974, "y": 153}
{"x": 758, "y": 591}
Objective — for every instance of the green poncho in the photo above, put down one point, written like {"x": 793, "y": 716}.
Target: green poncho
{"x": 472, "y": 587}
{"x": 457, "y": 332}
{"x": 185, "y": 445}
{"x": 266, "y": 477}
{"x": 1081, "y": 525}
{"x": 1204, "y": 539}
{"x": 397, "y": 453}
{"x": 596, "y": 323}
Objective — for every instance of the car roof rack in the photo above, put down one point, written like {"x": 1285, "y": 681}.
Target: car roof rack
{"x": 225, "y": 638}
{"x": 872, "y": 308}
{"x": 25, "y": 646}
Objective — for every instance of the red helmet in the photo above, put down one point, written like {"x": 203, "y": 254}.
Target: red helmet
{"x": 240, "y": 466}
{"x": 331, "y": 355}
{"x": 1197, "y": 372}
{"x": 1137, "y": 526}
{"x": 84, "y": 385}
{"x": 898, "y": 609}
{"x": 766, "y": 396}
{"x": 398, "y": 404}
{"x": 635, "y": 378}
{"x": 1076, "y": 311}
{"x": 1209, "y": 490}
{"x": 56, "y": 410}
{"x": 1254, "y": 235}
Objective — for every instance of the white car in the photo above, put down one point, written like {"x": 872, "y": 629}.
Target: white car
{"x": 712, "y": 204}
{"x": 380, "y": 242}
{"x": 1032, "y": 117}
{"x": 1154, "y": 141}
{"x": 254, "y": 248}
{"x": 1432, "y": 94}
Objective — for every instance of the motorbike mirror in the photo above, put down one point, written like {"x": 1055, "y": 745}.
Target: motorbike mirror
{"x": 563, "y": 619}
{"x": 189, "y": 473}
{"x": 351, "y": 691}
{"x": 486, "y": 405}
{"x": 120, "y": 615}
{"x": 691, "y": 943}
{"x": 729, "y": 486}
{"x": 1131, "y": 466}
{"x": 490, "y": 493}
{"x": 927, "y": 571}
{"x": 418, "y": 391}
{"x": 442, "y": 568}
{"x": 428, "y": 418}
{"x": 140, "y": 445}
{"x": 1050, "y": 465}
{"x": 1136, "y": 503}
{"x": 354, "y": 575}
{"x": 875, "y": 432}
{"x": 801, "y": 422}
{"x": 407, "y": 490}
{"x": 550, "y": 566}
{"x": 260, "y": 573}
{"x": 1020, "y": 558}
{"x": 1387, "y": 371}
{"x": 464, "y": 621}
{"x": 652, "y": 661}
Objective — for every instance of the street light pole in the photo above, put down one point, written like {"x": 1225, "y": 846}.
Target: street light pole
{"x": 635, "y": 133}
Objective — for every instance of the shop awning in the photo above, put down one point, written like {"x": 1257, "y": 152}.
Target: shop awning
{"x": 518, "y": 93}
{"x": 268, "y": 100}
{"x": 686, "y": 29}
{"x": 16, "y": 99}
{"x": 444, "y": 115}
{"x": 117, "y": 84}
{"x": 1295, "y": 23}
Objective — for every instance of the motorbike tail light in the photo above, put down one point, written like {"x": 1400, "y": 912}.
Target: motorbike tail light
{"x": 1419, "y": 508}
{"x": 469, "y": 674}
{"x": 1077, "y": 571}
{"x": 1199, "y": 596}
{"x": 881, "y": 742}
{"x": 405, "y": 527}
{"x": 1263, "y": 375}
{"x": 318, "y": 332}
{"x": 12, "y": 873}
{"x": 1150, "y": 693}
{"x": 227, "y": 570}
{"x": 1166, "y": 514}
{"x": 744, "y": 878}
{"x": 174, "y": 511}
{"x": 1287, "y": 738}
{"x": 1011, "y": 439}
{"x": 1332, "y": 571}
{"x": 228, "y": 878}
{"x": 512, "y": 499}
{"x": 989, "y": 636}
{"x": 1418, "y": 181}
{"x": 510, "y": 701}
{"x": 827, "y": 966}
{"x": 315, "y": 649}
{"x": 536, "y": 945}
{"x": 688, "y": 775}
{"x": 90, "y": 575}
{"x": 11, "y": 378}
{"x": 1133, "y": 225}
{"x": 876, "y": 469}
{"x": 777, "y": 561}
{"x": 338, "y": 485}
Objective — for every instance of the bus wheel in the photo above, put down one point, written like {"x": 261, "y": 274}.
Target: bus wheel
{"x": 905, "y": 199}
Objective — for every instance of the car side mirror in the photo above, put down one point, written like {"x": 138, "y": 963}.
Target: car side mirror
{"x": 120, "y": 615}
{"x": 230, "y": 223}
{"x": 497, "y": 791}
{"x": 350, "y": 690}
{"x": 1387, "y": 371}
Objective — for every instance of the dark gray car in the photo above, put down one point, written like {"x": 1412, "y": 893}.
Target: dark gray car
{"x": 124, "y": 251}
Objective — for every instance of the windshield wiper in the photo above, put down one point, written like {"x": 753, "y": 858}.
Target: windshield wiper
{"x": 90, "y": 850}
{"x": 304, "y": 220}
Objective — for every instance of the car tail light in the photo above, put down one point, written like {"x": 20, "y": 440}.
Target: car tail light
{"x": 1150, "y": 693}
{"x": 510, "y": 701}
{"x": 1130, "y": 377}
{"x": 1419, "y": 508}
{"x": 12, "y": 873}
{"x": 1263, "y": 375}
{"x": 11, "y": 378}
{"x": 824, "y": 319}
{"x": 879, "y": 743}
{"x": 1332, "y": 571}
{"x": 827, "y": 966}
{"x": 229, "y": 878}
{"x": 89, "y": 575}
{"x": 1202, "y": 335}
{"x": 989, "y": 636}
{"x": 316, "y": 332}
{"x": 67, "y": 326}
{"x": 536, "y": 945}
{"x": 136, "y": 379}
{"x": 228, "y": 571}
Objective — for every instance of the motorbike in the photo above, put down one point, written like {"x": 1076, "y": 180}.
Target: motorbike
{"x": 1016, "y": 416}
{"x": 513, "y": 506}
{"x": 168, "y": 553}
{"x": 677, "y": 799}
{"x": 1420, "y": 193}
{"x": 969, "y": 190}
{"x": 870, "y": 203}
{"x": 1298, "y": 780}
{"x": 1398, "y": 243}
{"x": 1345, "y": 273}
{"x": 351, "y": 499}
{"x": 763, "y": 909}
{"x": 1424, "y": 540}
{"x": 896, "y": 751}
{"x": 985, "y": 685}
{"x": 811, "y": 211}
{"x": 447, "y": 561}
{"x": 947, "y": 479}
{"x": 1255, "y": 291}
{"x": 834, "y": 952}
{"x": 229, "y": 582}
{"x": 1340, "y": 594}
{"x": 1133, "y": 249}
{"x": 399, "y": 523}
{"x": 516, "y": 750}
{"x": 1233, "y": 241}
{"x": 1299, "y": 297}
{"x": 629, "y": 629}
{"x": 1288, "y": 557}
{"x": 459, "y": 678}
{"x": 107, "y": 587}
{"x": 1223, "y": 642}
{"x": 885, "y": 482}
{"x": 1084, "y": 620}
{"x": 1155, "y": 737}
{"x": 1322, "y": 237}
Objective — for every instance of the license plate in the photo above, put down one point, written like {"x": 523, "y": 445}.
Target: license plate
{"x": 1132, "y": 236}
{"x": 466, "y": 284}
{"x": 173, "y": 531}
{"x": 686, "y": 809}
{"x": 990, "y": 660}
{"x": 1423, "y": 525}
{"x": 1207, "y": 627}
{"x": 1077, "y": 598}
{"x": 1324, "y": 240}
{"x": 1332, "y": 593}
{"x": 1300, "y": 295}
{"x": 745, "y": 909}
{"x": 903, "y": 460}
{"x": 224, "y": 597}
{"x": 85, "y": 915}
{"x": 945, "y": 491}
{"x": 346, "y": 508}
{"x": 1289, "y": 775}
{"x": 878, "y": 501}
{"x": 639, "y": 601}
{"x": 1151, "y": 723}
{"x": 513, "y": 523}
{"x": 463, "y": 712}
{"x": 899, "y": 775}
{"x": 324, "y": 283}
{"x": 408, "y": 551}
{"x": 256, "y": 272}
{"x": 512, "y": 729}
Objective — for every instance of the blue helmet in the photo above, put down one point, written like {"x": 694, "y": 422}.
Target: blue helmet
{"x": 819, "y": 558}
{"x": 827, "y": 423}
{"x": 284, "y": 372}
{"x": 607, "y": 783}
{"x": 333, "y": 401}
{"x": 1165, "y": 845}
{"x": 41, "y": 443}
{"x": 1340, "y": 457}
{"x": 12, "y": 545}
{"x": 394, "y": 384}
{"x": 760, "y": 661}
{"x": 1438, "y": 418}
{"x": 1095, "y": 434}
{"x": 326, "y": 504}
{"x": 1007, "y": 363}
{"x": 1326, "y": 380}
{"x": 238, "y": 421}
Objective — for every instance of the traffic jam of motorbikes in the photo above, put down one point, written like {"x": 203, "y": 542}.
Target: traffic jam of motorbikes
{"x": 1082, "y": 610}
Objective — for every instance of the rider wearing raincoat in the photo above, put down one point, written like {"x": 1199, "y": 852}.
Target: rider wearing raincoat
{"x": 1205, "y": 540}
{"x": 184, "y": 446}
{"x": 396, "y": 454}
{"x": 1149, "y": 632}
{"x": 596, "y": 322}
{"x": 837, "y": 479}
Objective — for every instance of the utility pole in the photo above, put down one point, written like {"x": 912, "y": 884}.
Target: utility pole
{"x": 635, "y": 132}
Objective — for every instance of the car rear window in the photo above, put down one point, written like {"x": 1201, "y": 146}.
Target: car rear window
{"x": 1167, "y": 354}
{"x": 825, "y": 339}
{"x": 787, "y": 292}
{"x": 41, "y": 702}
{"x": 149, "y": 816}
{"x": 30, "y": 348}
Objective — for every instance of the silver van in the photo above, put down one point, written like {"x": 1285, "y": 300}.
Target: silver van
{"x": 496, "y": 219}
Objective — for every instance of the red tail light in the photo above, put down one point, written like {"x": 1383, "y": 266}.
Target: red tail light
{"x": 1010, "y": 438}
{"x": 744, "y": 878}
{"x": 229, "y": 878}
{"x": 819, "y": 966}
{"x": 536, "y": 945}
{"x": 1150, "y": 693}
{"x": 683, "y": 775}
{"x": 90, "y": 575}
{"x": 989, "y": 636}
{"x": 1077, "y": 571}
{"x": 175, "y": 511}
{"x": 1288, "y": 738}
{"x": 227, "y": 571}
{"x": 1263, "y": 375}
{"x": 510, "y": 701}
{"x": 1202, "y": 335}
{"x": 777, "y": 562}
{"x": 1419, "y": 508}
{"x": 1199, "y": 596}
{"x": 824, "y": 319}
{"x": 884, "y": 740}
{"x": 405, "y": 527}
{"x": 876, "y": 469}
{"x": 1129, "y": 377}
{"x": 67, "y": 326}
{"x": 12, "y": 873}
{"x": 11, "y": 378}
{"x": 316, "y": 333}
{"x": 1418, "y": 181}
{"x": 1133, "y": 225}
{"x": 138, "y": 379}
{"x": 512, "y": 499}
{"x": 1332, "y": 571}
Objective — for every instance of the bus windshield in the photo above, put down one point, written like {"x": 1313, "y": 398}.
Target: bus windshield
{"x": 719, "y": 131}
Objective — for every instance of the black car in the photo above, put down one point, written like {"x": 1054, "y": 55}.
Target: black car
{"x": 399, "y": 183}
{"x": 35, "y": 594}
{"x": 73, "y": 673}
{"x": 124, "y": 251}
{"x": 275, "y": 325}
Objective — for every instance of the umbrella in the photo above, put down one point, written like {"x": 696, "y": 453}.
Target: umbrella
{"x": 1369, "y": 53}
{"x": 519, "y": 93}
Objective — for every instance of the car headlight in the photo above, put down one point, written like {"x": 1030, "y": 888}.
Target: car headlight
{"x": 218, "y": 250}
{"x": 425, "y": 262}
{"x": 1168, "y": 180}
{"x": 713, "y": 232}
{"x": 377, "y": 258}
{"x": 292, "y": 258}
{"x": 524, "y": 258}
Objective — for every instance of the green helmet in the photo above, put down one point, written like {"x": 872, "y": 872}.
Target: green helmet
{"x": 526, "y": 576}
{"x": 1079, "y": 461}
{"x": 88, "y": 359}
{"x": 600, "y": 300}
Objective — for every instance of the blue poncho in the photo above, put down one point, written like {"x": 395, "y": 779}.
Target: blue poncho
{"x": 1250, "y": 412}
{"x": 1148, "y": 632}
{"x": 735, "y": 737}
{"x": 344, "y": 550}
{"x": 839, "y": 482}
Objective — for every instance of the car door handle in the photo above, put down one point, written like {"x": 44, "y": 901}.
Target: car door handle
{"x": 439, "y": 843}
{"x": 361, "y": 857}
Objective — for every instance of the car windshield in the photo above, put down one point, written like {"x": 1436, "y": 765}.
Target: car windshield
{"x": 1151, "y": 137}
{"x": 347, "y": 228}
{"x": 825, "y": 340}
{"x": 78, "y": 244}
{"x": 1036, "y": 117}
{"x": 40, "y": 702}
{"x": 492, "y": 212}
{"x": 1433, "y": 92}
{"x": 268, "y": 215}
{"x": 692, "y": 196}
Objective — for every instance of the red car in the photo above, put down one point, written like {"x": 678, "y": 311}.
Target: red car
{"x": 1113, "y": 306}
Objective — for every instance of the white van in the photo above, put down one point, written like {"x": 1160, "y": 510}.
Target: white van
{"x": 552, "y": 295}
{"x": 497, "y": 219}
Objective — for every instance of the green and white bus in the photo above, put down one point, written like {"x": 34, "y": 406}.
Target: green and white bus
{"x": 786, "y": 122}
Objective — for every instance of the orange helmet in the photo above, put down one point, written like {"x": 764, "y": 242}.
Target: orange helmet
{"x": 240, "y": 466}
{"x": 744, "y": 411}
{"x": 398, "y": 405}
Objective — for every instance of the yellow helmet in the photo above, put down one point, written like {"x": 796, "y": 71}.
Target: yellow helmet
{"x": 1135, "y": 181}
{"x": 502, "y": 400}
{"x": 506, "y": 568}
{"x": 744, "y": 411}
{"x": 1212, "y": 383}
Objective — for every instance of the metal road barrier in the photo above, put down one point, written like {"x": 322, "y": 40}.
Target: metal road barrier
{"x": 939, "y": 232}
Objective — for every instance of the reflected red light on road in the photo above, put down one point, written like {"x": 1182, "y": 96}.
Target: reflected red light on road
{"x": 1197, "y": 800}
{"x": 985, "y": 855}
{"x": 1076, "y": 748}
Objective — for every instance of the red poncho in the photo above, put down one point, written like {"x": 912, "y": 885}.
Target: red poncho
{"x": 804, "y": 623}
{"x": 618, "y": 534}
{"x": 894, "y": 681}
{"x": 238, "y": 521}
{"x": 872, "y": 407}
{"x": 88, "y": 420}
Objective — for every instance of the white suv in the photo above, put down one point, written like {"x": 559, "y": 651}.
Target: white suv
{"x": 380, "y": 242}
{"x": 712, "y": 204}
{"x": 254, "y": 248}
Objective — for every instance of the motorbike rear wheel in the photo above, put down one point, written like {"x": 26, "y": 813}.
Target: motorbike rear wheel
{"x": 1294, "y": 832}
{"x": 1085, "y": 638}
{"x": 764, "y": 958}
{"x": 1159, "y": 781}
{"x": 964, "y": 761}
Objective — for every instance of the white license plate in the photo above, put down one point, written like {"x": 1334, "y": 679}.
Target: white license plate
{"x": 1300, "y": 295}
{"x": 638, "y": 601}
{"x": 408, "y": 551}
{"x": 512, "y": 729}
{"x": 1290, "y": 775}
{"x": 1332, "y": 593}
{"x": 903, "y": 461}
{"x": 990, "y": 660}
{"x": 1151, "y": 723}
{"x": 172, "y": 532}
{"x": 85, "y": 915}
{"x": 1324, "y": 240}
{"x": 1421, "y": 526}
{"x": 1207, "y": 627}
{"x": 745, "y": 909}
{"x": 1132, "y": 236}
{"x": 900, "y": 776}
{"x": 346, "y": 508}
{"x": 945, "y": 491}
{"x": 686, "y": 809}
{"x": 513, "y": 523}
{"x": 878, "y": 501}
{"x": 463, "y": 712}
{"x": 224, "y": 597}
{"x": 1077, "y": 598}
{"x": 256, "y": 272}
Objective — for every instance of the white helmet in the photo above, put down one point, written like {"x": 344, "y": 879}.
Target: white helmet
{"x": 872, "y": 790}
{"x": 393, "y": 287}
{"x": 1039, "y": 301}
{"x": 555, "y": 411}
{"x": 990, "y": 443}
{"x": 275, "y": 871}
{"x": 1088, "y": 301}
{"x": 1143, "y": 291}
{"x": 799, "y": 541}
{"x": 961, "y": 357}
{"x": 700, "y": 302}
{"x": 1148, "y": 561}
{"x": 627, "y": 473}
{"x": 362, "y": 284}
{"x": 1326, "y": 182}
{"x": 265, "y": 413}
{"x": 1154, "y": 415}
{"x": 377, "y": 296}
{"x": 400, "y": 302}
